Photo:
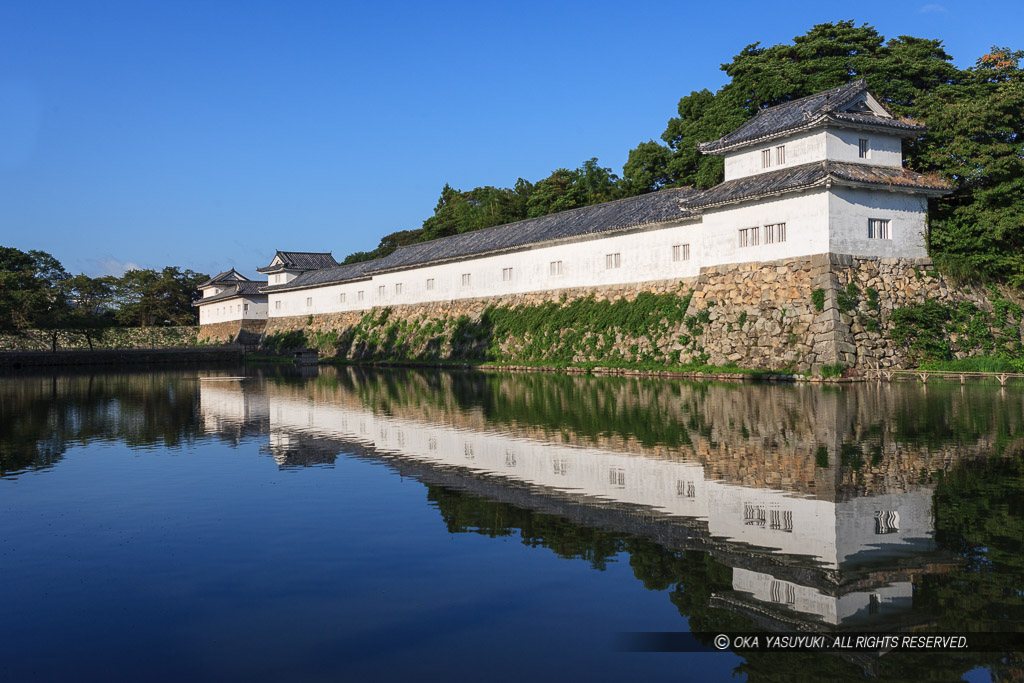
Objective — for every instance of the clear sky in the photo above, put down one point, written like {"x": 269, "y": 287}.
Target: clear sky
{"x": 208, "y": 134}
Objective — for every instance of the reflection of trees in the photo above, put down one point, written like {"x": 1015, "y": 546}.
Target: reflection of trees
{"x": 42, "y": 416}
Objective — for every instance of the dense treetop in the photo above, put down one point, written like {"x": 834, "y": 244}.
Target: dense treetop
{"x": 974, "y": 140}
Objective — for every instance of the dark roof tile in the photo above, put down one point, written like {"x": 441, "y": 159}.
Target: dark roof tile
{"x": 300, "y": 260}
{"x": 809, "y": 175}
{"x": 805, "y": 111}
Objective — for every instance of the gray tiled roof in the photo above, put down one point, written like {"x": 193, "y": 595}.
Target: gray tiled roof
{"x": 227, "y": 276}
{"x": 301, "y": 260}
{"x": 806, "y": 111}
{"x": 622, "y": 214}
{"x": 234, "y": 288}
{"x": 324, "y": 276}
{"x": 809, "y": 175}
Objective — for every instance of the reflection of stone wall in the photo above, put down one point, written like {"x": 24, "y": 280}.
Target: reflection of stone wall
{"x": 756, "y": 315}
{"x": 232, "y": 331}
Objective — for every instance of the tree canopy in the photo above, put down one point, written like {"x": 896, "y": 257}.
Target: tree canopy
{"x": 36, "y": 292}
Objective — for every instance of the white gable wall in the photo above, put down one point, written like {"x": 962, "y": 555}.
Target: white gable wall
{"x": 843, "y": 144}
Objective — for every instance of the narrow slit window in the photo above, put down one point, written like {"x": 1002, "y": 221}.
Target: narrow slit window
{"x": 245, "y": 308}
{"x": 465, "y": 280}
{"x": 780, "y": 155}
{"x": 775, "y": 232}
{"x": 341, "y": 297}
{"x": 398, "y": 288}
{"x": 863, "y": 148}
{"x": 748, "y": 237}
{"x": 381, "y": 291}
{"x": 277, "y": 305}
{"x": 360, "y": 294}
{"x": 309, "y": 301}
{"x": 430, "y": 283}
{"x": 878, "y": 229}
{"x": 766, "y": 158}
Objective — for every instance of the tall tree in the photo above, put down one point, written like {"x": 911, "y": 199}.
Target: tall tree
{"x": 28, "y": 287}
{"x": 975, "y": 139}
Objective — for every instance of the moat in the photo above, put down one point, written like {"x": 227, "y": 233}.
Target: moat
{"x": 345, "y": 523}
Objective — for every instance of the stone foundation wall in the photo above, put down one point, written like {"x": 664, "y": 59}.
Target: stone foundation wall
{"x": 232, "y": 331}
{"x": 793, "y": 315}
{"x": 108, "y": 338}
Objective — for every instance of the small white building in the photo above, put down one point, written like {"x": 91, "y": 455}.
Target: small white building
{"x": 230, "y": 297}
{"x": 822, "y": 174}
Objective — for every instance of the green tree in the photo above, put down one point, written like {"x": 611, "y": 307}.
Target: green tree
{"x": 975, "y": 140}
{"x": 87, "y": 299}
{"x": 28, "y": 287}
{"x": 148, "y": 297}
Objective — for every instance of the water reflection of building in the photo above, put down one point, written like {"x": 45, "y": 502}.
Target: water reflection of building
{"x": 828, "y": 559}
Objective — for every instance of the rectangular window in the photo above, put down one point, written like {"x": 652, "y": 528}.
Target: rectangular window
{"x": 381, "y": 291}
{"x": 775, "y": 233}
{"x": 681, "y": 252}
{"x": 359, "y": 295}
{"x": 887, "y": 522}
{"x": 556, "y": 268}
{"x": 398, "y": 288}
{"x": 766, "y": 158}
{"x": 245, "y": 308}
{"x": 309, "y": 301}
{"x": 878, "y": 229}
{"x": 430, "y": 283}
{"x": 780, "y": 155}
{"x": 341, "y": 297}
{"x": 506, "y": 274}
{"x": 612, "y": 261}
{"x": 863, "y": 150}
{"x": 277, "y": 305}
{"x": 465, "y": 279}
{"x": 748, "y": 237}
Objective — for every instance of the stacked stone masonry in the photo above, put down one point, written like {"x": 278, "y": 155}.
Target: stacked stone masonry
{"x": 758, "y": 315}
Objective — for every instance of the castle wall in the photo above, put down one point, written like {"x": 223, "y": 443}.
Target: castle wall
{"x": 248, "y": 331}
{"x": 643, "y": 256}
{"x": 752, "y": 314}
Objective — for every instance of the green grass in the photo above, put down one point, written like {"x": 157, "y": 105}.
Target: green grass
{"x": 974, "y": 364}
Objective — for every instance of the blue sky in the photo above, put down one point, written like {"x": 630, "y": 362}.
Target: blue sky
{"x": 208, "y": 134}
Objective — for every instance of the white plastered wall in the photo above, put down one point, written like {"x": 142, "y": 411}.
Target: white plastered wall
{"x": 843, "y": 144}
{"x": 231, "y": 309}
{"x": 805, "y": 215}
{"x": 849, "y": 211}
{"x": 643, "y": 256}
{"x": 802, "y": 148}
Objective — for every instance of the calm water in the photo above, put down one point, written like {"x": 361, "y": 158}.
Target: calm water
{"x": 347, "y": 524}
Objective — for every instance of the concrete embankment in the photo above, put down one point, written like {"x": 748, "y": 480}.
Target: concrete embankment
{"x": 176, "y": 356}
